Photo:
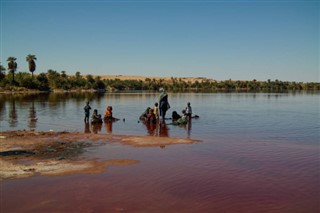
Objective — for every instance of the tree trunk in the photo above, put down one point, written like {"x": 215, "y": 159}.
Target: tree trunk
{"x": 12, "y": 76}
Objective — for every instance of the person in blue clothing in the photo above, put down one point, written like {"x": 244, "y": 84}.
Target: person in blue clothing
{"x": 87, "y": 109}
{"x": 163, "y": 103}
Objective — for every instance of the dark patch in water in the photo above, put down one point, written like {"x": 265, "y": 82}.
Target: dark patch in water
{"x": 16, "y": 153}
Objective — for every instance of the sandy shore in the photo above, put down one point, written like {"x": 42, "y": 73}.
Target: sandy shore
{"x": 28, "y": 153}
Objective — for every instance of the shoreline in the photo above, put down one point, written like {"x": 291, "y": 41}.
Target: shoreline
{"x": 25, "y": 154}
{"x": 112, "y": 83}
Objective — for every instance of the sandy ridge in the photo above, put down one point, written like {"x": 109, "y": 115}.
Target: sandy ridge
{"x": 143, "y": 78}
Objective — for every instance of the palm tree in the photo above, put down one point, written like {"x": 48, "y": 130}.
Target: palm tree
{"x": 12, "y": 66}
{"x": 2, "y": 70}
{"x": 32, "y": 64}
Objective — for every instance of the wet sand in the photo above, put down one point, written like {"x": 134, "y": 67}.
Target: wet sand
{"x": 28, "y": 153}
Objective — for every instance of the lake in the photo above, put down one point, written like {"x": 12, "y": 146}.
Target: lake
{"x": 259, "y": 153}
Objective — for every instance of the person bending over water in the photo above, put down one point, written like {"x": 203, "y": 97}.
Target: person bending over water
{"x": 96, "y": 118}
{"x": 182, "y": 120}
{"x": 108, "y": 115}
{"x": 151, "y": 118}
{"x": 175, "y": 115}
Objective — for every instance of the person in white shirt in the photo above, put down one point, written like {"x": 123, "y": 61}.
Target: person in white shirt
{"x": 188, "y": 110}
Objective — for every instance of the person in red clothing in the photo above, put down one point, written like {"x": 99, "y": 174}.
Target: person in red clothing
{"x": 151, "y": 118}
{"x": 108, "y": 113}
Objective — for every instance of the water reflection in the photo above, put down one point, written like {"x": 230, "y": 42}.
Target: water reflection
{"x": 158, "y": 129}
{"x": 108, "y": 126}
{"x": 2, "y": 109}
{"x": 87, "y": 127}
{"x": 189, "y": 127}
{"x": 32, "y": 124}
{"x": 163, "y": 129}
{"x": 13, "y": 117}
{"x": 96, "y": 128}
{"x": 152, "y": 129}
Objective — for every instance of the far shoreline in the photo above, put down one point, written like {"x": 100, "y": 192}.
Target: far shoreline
{"x": 114, "y": 83}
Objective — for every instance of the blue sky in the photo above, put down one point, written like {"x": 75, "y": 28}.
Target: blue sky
{"x": 241, "y": 40}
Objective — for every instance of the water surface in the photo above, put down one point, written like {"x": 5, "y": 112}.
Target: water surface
{"x": 260, "y": 153}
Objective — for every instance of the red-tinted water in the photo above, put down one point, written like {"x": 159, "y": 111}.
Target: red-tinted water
{"x": 212, "y": 176}
{"x": 260, "y": 154}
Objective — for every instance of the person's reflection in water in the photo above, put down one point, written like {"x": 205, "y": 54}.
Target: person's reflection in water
{"x": 96, "y": 128}
{"x": 152, "y": 129}
{"x": 163, "y": 129}
{"x": 108, "y": 126}
{"x": 189, "y": 127}
{"x": 87, "y": 127}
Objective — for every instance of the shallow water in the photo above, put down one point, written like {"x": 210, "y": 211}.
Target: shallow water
{"x": 260, "y": 153}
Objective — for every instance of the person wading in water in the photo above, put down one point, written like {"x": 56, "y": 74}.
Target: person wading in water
{"x": 87, "y": 109}
{"x": 163, "y": 103}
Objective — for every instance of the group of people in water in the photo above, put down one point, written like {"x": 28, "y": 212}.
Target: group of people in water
{"x": 151, "y": 115}
{"x": 97, "y": 118}
{"x": 158, "y": 112}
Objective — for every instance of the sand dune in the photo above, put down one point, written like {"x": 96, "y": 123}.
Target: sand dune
{"x": 143, "y": 78}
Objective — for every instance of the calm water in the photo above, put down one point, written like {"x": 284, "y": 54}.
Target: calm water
{"x": 260, "y": 153}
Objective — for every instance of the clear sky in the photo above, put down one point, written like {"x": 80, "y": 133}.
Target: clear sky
{"x": 241, "y": 40}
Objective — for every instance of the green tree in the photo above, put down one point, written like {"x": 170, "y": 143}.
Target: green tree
{"x": 98, "y": 84}
{"x": 2, "y": 72}
{"x": 64, "y": 74}
{"x": 43, "y": 82}
{"x": 78, "y": 81}
{"x": 32, "y": 64}
{"x": 90, "y": 82}
{"x": 12, "y": 66}
{"x": 24, "y": 79}
{"x": 54, "y": 79}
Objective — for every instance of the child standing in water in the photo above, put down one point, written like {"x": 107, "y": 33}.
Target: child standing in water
{"x": 188, "y": 110}
{"x": 151, "y": 118}
{"x": 87, "y": 109}
{"x": 156, "y": 110}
